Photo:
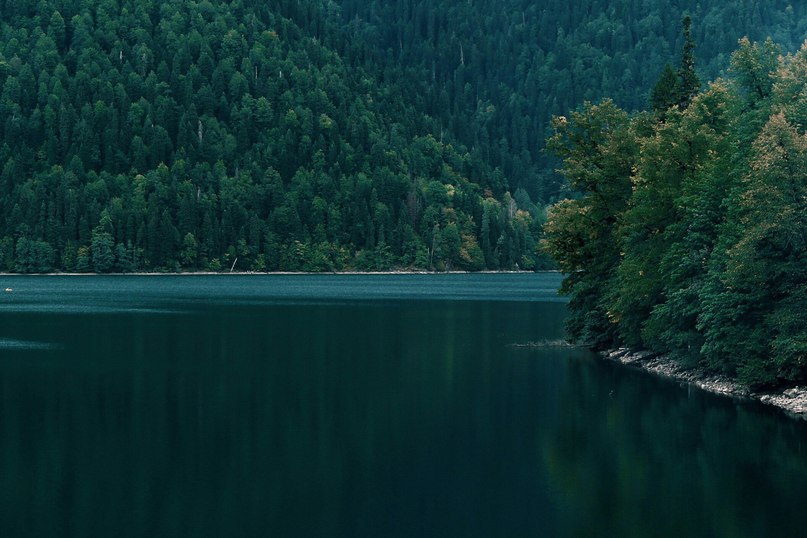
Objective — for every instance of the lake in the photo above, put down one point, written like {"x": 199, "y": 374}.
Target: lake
{"x": 360, "y": 406}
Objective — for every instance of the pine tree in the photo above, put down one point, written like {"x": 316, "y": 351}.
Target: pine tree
{"x": 665, "y": 92}
{"x": 688, "y": 82}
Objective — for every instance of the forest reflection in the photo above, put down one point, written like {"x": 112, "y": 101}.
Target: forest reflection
{"x": 369, "y": 418}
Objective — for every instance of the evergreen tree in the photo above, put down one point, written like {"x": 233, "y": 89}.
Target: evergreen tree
{"x": 665, "y": 92}
{"x": 258, "y": 128}
{"x": 103, "y": 256}
{"x": 688, "y": 82}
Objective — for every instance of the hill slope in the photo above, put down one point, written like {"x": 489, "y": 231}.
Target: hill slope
{"x": 141, "y": 135}
{"x": 494, "y": 72}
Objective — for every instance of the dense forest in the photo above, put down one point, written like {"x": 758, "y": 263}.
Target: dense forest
{"x": 689, "y": 234}
{"x": 494, "y": 72}
{"x": 314, "y": 135}
{"x": 143, "y": 135}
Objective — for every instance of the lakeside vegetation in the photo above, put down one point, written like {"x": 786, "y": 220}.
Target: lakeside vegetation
{"x": 689, "y": 236}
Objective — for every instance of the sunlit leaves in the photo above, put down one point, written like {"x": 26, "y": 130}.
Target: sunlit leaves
{"x": 765, "y": 269}
{"x": 598, "y": 152}
{"x": 711, "y": 244}
{"x": 754, "y": 66}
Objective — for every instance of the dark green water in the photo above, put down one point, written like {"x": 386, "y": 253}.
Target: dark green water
{"x": 367, "y": 406}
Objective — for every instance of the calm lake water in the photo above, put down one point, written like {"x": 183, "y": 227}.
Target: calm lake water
{"x": 366, "y": 406}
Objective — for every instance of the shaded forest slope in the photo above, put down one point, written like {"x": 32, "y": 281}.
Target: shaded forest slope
{"x": 494, "y": 72}
{"x": 141, "y": 135}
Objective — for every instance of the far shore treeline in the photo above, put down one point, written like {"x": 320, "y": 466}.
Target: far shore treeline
{"x": 689, "y": 236}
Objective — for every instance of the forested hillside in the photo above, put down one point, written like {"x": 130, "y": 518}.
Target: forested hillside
{"x": 690, "y": 237}
{"x": 143, "y": 135}
{"x": 494, "y": 72}
{"x": 313, "y": 134}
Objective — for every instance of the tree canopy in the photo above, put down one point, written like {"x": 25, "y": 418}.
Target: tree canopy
{"x": 702, "y": 251}
{"x": 143, "y": 135}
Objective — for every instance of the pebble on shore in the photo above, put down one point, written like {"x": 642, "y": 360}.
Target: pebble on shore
{"x": 792, "y": 400}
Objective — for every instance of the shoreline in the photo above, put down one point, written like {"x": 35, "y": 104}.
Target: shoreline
{"x": 792, "y": 401}
{"x": 269, "y": 273}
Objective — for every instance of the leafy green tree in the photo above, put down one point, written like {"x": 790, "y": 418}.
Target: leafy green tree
{"x": 753, "y": 66}
{"x": 103, "y": 255}
{"x": 694, "y": 214}
{"x": 190, "y": 250}
{"x": 451, "y": 242}
{"x": 57, "y": 30}
{"x": 7, "y": 253}
{"x": 706, "y": 258}
{"x": 102, "y": 245}
{"x": 598, "y": 153}
{"x": 124, "y": 262}
{"x": 752, "y": 316}
{"x": 83, "y": 259}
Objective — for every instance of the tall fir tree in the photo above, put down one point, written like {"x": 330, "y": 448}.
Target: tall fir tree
{"x": 688, "y": 82}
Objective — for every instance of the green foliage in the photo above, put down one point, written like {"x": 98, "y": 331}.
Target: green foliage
{"x": 249, "y": 128}
{"x": 7, "y": 262}
{"x": 103, "y": 256}
{"x": 598, "y": 153}
{"x": 706, "y": 258}
{"x": 190, "y": 250}
{"x": 32, "y": 256}
{"x": 764, "y": 268}
{"x": 186, "y": 135}
{"x": 665, "y": 92}
{"x": 753, "y": 65}
{"x": 494, "y": 72}
{"x": 688, "y": 82}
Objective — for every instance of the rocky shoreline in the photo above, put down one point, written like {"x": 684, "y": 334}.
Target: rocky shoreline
{"x": 792, "y": 400}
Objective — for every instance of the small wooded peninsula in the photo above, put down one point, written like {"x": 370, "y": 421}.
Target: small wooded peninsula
{"x": 689, "y": 236}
